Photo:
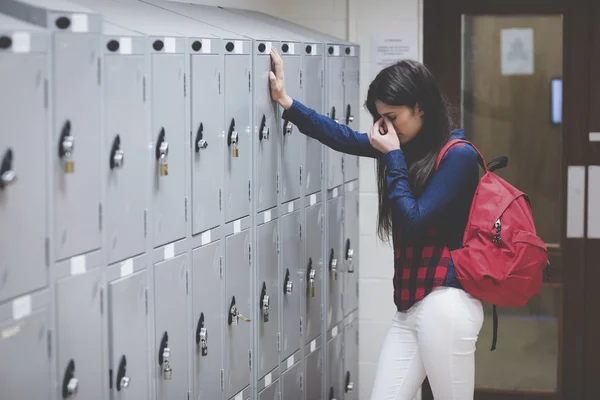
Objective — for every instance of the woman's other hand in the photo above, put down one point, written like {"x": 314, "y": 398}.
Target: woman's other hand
{"x": 383, "y": 136}
{"x": 277, "y": 82}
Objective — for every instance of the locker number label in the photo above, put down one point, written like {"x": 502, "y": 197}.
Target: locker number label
{"x": 21, "y": 307}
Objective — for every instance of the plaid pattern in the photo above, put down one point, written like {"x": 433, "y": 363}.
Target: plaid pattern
{"x": 418, "y": 268}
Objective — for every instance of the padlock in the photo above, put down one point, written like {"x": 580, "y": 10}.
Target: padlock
{"x": 289, "y": 287}
{"x": 334, "y": 271}
{"x": 162, "y": 162}
{"x": 204, "y": 341}
{"x": 167, "y": 370}
{"x": 72, "y": 386}
{"x": 66, "y": 148}
{"x": 234, "y": 315}
{"x": 349, "y": 383}
{"x": 349, "y": 256}
{"x": 7, "y": 173}
{"x": 265, "y": 306}
{"x": 312, "y": 283}
{"x": 117, "y": 157}
{"x": 124, "y": 382}
{"x": 234, "y": 145}
{"x": 287, "y": 128}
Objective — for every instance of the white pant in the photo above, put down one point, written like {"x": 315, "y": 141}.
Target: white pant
{"x": 435, "y": 338}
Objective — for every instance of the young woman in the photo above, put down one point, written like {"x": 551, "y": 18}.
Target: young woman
{"x": 425, "y": 211}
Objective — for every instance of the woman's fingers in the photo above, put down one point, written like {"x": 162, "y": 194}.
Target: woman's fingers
{"x": 277, "y": 63}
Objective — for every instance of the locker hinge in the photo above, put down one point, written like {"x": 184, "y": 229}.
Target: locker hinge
{"x": 144, "y": 88}
{"x": 221, "y": 267}
{"x": 220, "y": 199}
{"x": 219, "y": 82}
{"x": 99, "y": 71}
{"x": 300, "y": 79}
{"x": 145, "y": 223}
{"x": 300, "y": 326}
{"x": 278, "y": 243}
{"x": 278, "y": 182}
{"x": 249, "y": 192}
{"x": 321, "y": 312}
{"x": 49, "y": 336}
{"x": 101, "y": 301}
{"x": 357, "y": 289}
{"x": 46, "y": 93}
{"x": 322, "y": 78}
{"x": 186, "y": 210}
{"x": 189, "y": 393}
{"x": 342, "y": 300}
{"x": 100, "y": 216}
{"x": 343, "y": 164}
{"x": 356, "y": 337}
{"x": 249, "y": 254}
{"x": 279, "y": 342}
{"x": 250, "y": 81}
{"x": 300, "y": 175}
{"x": 146, "y": 300}
{"x": 322, "y": 170}
{"x": 184, "y": 85}
{"x": 187, "y": 287}
{"x": 47, "y": 251}
{"x": 250, "y": 359}
{"x": 300, "y": 230}
{"x": 343, "y": 78}
{"x": 110, "y": 378}
{"x": 301, "y": 382}
{"x": 357, "y": 205}
{"x": 222, "y": 380}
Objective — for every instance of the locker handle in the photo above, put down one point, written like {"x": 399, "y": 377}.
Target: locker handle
{"x": 349, "y": 256}
{"x": 331, "y": 393}
{"x": 264, "y": 131}
{"x": 311, "y": 278}
{"x": 70, "y": 383}
{"x": 349, "y": 116}
{"x": 164, "y": 355}
{"x": 288, "y": 128}
{"x": 233, "y": 139}
{"x": 7, "y": 173}
{"x": 66, "y": 146}
{"x": 122, "y": 379}
{"x": 333, "y": 265}
{"x": 288, "y": 285}
{"x": 116, "y": 154}
{"x": 349, "y": 383}
{"x": 200, "y": 142}
{"x": 333, "y": 115}
{"x": 162, "y": 151}
{"x": 264, "y": 302}
{"x": 202, "y": 335}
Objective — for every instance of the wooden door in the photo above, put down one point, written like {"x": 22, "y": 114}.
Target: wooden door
{"x": 517, "y": 73}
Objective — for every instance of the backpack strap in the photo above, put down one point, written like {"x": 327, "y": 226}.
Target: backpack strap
{"x": 452, "y": 143}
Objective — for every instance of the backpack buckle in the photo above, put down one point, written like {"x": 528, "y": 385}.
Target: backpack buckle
{"x": 498, "y": 227}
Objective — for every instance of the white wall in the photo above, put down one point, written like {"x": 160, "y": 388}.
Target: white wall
{"x": 357, "y": 21}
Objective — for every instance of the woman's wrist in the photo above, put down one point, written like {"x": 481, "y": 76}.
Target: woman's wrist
{"x": 286, "y": 102}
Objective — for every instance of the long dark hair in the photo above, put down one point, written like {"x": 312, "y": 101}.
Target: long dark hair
{"x": 410, "y": 83}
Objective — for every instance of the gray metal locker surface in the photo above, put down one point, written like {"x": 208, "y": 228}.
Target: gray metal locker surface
{"x": 313, "y": 262}
{"x": 238, "y": 105}
{"x": 128, "y": 356}
{"x": 293, "y": 142}
{"x": 335, "y": 109}
{"x": 335, "y": 262}
{"x": 237, "y": 294}
{"x": 268, "y": 292}
{"x": 23, "y": 156}
{"x": 207, "y": 114}
{"x": 314, "y": 374}
{"x": 351, "y": 248}
{"x": 335, "y": 366}
{"x": 25, "y": 370}
{"x": 292, "y": 382}
{"x": 291, "y": 277}
{"x": 351, "y": 104}
{"x": 313, "y": 80}
{"x": 271, "y": 392}
{"x": 125, "y": 143}
{"x": 350, "y": 375}
{"x": 207, "y": 321}
{"x": 170, "y": 350}
{"x": 79, "y": 335}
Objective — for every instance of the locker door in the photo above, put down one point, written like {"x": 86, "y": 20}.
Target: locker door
{"x": 314, "y": 268}
{"x": 271, "y": 392}
{"x": 350, "y": 382}
{"x": 351, "y": 107}
{"x": 291, "y": 278}
{"x": 335, "y": 367}
{"x": 207, "y": 141}
{"x": 335, "y": 110}
{"x": 313, "y": 92}
{"x": 335, "y": 262}
{"x": 22, "y": 174}
{"x": 314, "y": 374}
{"x": 292, "y": 382}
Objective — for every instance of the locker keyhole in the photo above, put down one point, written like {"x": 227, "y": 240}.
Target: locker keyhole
{"x": 162, "y": 152}
{"x": 288, "y": 285}
{"x": 333, "y": 115}
{"x": 116, "y": 154}
{"x": 311, "y": 278}
{"x": 122, "y": 378}
{"x": 66, "y": 146}
{"x": 164, "y": 356}
{"x": 349, "y": 116}
{"x": 264, "y": 302}
{"x": 264, "y": 132}
{"x": 287, "y": 128}
{"x": 349, "y": 383}
{"x": 235, "y": 315}
{"x": 202, "y": 336}
{"x": 349, "y": 256}
{"x": 70, "y": 382}
{"x": 333, "y": 265}
{"x": 200, "y": 142}
{"x": 7, "y": 172}
{"x": 233, "y": 139}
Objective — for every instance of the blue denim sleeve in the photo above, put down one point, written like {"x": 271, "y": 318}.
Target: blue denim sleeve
{"x": 452, "y": 183}
{"x": 332, "y": 134}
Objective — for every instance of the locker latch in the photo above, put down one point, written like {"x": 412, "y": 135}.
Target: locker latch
{"x": 70, "y": 383}
{"x": 200, "y": 142}
{"x": 122, "y": 379}
{"x": 162, "y": 151}
{"x": 333, "y": 265}
{"x": 202, "y": 336}
{"x": 164, "y": 354}
{"x": 331, "y": 393}
{"x": 333, "y": 115}
{"x": 116, "y": 154}
{"x": 312, "y": 275}
{"x": 7, "y": 173}
{"x": 235, "y": 315}
{"x": 288, "y": 127}
{"x": 265, "y": 302}
{"x": 349, "y": 383}
{"x": 233, "y": 139}
{"x": 349, "y": 116}
{"x": 66, "y": 147}
{"x": 288, "y": 285}
{"x": 349, "y": 256}
{"x": 264, "y": 132}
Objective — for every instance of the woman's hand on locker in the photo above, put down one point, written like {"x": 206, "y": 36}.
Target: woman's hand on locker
{"x": 277, "y": 82}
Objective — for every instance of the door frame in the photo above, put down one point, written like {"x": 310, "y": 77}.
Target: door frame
{"x": 442, "y": 19}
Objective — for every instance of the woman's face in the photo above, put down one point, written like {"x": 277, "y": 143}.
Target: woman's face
{"x": 406, "y": 121}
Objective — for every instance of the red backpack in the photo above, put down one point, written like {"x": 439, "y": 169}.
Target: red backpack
{"x": 502, "y": 260}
